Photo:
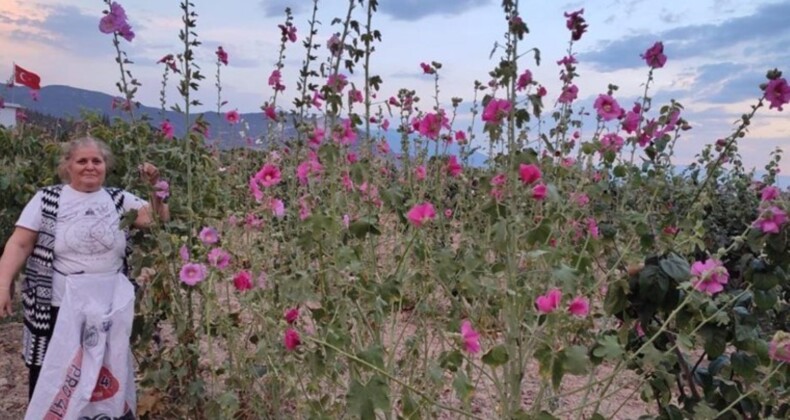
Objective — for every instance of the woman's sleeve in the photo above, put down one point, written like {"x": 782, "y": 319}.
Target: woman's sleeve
{"x": 132, "y": 202}
{"x": 31, "y": 215}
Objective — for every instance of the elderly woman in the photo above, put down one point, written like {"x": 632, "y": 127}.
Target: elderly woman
{"x": 69, "y": 229}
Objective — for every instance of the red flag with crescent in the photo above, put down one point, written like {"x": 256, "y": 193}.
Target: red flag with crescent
{"x": 27, "y": 78}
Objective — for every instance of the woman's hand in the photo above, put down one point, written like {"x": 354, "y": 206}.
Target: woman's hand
{"x": 6, "y": 304}
{"x": 149, "y": 173}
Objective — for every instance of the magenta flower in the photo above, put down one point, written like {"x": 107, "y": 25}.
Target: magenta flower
{"x": 275, "y": 81}
{"x": 115, "y": 21}
{"x": 291, "y": 339}
{"x": 232, "y": 116}
{"x": 709, "y": 276}
{"x": 654, "y": 56}
{"x": 528, "y": 173}
{"x": 219, "y": 258}
{"x": 420, "y": 173}
{"x": 344, "y": 133}
{"x": 611, "y": 142}
{"x": 421, "y": 214}
{"x": 576, "y": 24}
{"x": 771, "y": 220}
{"x": 192, "y": 273}
{"x": 222, "y": 55}
{"x": 579, "y": 306}
{"x": 277, "y": 207}
{"x": 268, "y": 175}
{"x": 539, "y": 192}
{"x": 166, "y": 129}
{"x": 270, "y": 112}
{"x": 162, "y": 189}
{"x": 631, "y": 120}
{"x": 471, "y": 337}
{"x": 769, "y": 193}
{"x": 777, "y": 92}
{"x": 498, "y": 179}
{"x": 334, "y": 45}
{"x": 779, "y": 349}
{"x": 355, "y": 96}
{"x": 208, "y": 235}
{"x": 183, "y": 252}
{"x": 337, "y": 82}
{"x": 569, "y": 94}
{"x": 549, "y": 302}
{"x": 607, "y": 107}
{"x": 524, "y": 80}
{"x": 242, "y": 280}
{"x": 431, "y": 124}
{"x": 496, "y": 110}
{"x": 460, "y": 137}
{"x": 291, "y": 315}
{"x": 453, "y": 167}
{"x": 288, "y": 32}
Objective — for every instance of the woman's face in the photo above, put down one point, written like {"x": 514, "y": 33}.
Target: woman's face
{"x": 87, "y": 169}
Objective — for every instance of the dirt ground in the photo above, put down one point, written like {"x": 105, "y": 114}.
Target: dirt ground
{"x": 13, "y": 373}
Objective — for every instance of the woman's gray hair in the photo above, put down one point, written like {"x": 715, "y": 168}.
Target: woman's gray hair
{"x": 78, "y": 143}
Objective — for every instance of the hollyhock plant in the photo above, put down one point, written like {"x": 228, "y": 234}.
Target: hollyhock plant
{"x": 288, "y": 32}
{"x": 420, "y": 173}
{"x": 291, "y": 315}
{"x": 709, "y": 276}
{"x": 631, "y": 120}
{"x": 162, "y": 189}
{"x": 183, "y": 252}
{"x": 192, "y": 273}
{"x": 344, "y": 133}
{"x": 166, "y": 129}
{"x": 607, "y": 107}
{"x": 771, "y": 220}
{"x": 471, "y": 337}
{"x": 208, "y": 235}
{"x": 777, "y": 93}
{"x": 496, "y": 110}
{"x": 528, "y": 173}
{"x": 769, "y": 193}
{"x": 242, "y": 280}
{"x": 427, "y": 69}
{"x": 269, "y": 175}
{"x": 549, "y": 302}
{"x": 539, "y": 192}
{"x": 654, "y": 56}
{"x": 115, "y": 21}
{"x": 524, "y": 80}
{"x": 275, "y": 81}
{"x": 576, "y": 24}
{"x": 337, "y": 82}
{"x": 270, "y": 112}
{"x": 291, "y": 339}
{"x": 569, "y": 94}
{"x": 579, "y": 307}
{"x": 222, "y": 55}
{"x": 431, "y": 124}
{"x": 453, "y": 167}
{"x": 611, "y": 142}
{"x": 334, "y": 45}
{"x": 421, "y": 214}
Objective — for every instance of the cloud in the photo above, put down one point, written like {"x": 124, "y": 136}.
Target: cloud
{"x": 412, "y": 10}
{"x": 767, "y": 24}
{"x": 275, "y": 8}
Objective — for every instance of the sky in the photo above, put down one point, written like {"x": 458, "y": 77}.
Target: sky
{"x": 718, "y": 52}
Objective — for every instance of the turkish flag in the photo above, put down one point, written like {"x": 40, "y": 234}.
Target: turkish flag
{"x": 27, "y": 78}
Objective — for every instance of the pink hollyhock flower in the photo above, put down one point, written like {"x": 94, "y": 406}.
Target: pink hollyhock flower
{"x": 351, "y": 158}
{"x": 291, "y": 315}
{"x": 242, "y": 280}
{"x": 252, "y": 221}
{"x": 448, "y": 213}
{"x": 334, "y": 45}
{"x": 116, "y": 21}
{"x": 337, "y": 82}
{"x": 453, "y": 167}
{"x": 192, "y": 273}
{"x": 305, "y": 209}
{"x": 567, "y": 60}
{"x": 671, "y": 230}
{"x": 777, "y": 92}
{"x": 431, "y": 125}
{"x": 344, "y": 133}
{"x": 549, "y": 302}
{"x": 498, "y": 180}
{"x": 288, "y": 32}
{"x": 268, "y": 175}
{"x": 542, "y": 91}
{"x": 528, "y": 173}
{"x": 460, "y": 137}
{"x": 654, "y": 56}
{"x": 208, "y": 235}
{"x": 316, "y": 137}
{"x": 607, "y": 107}
{"x": 769, "y": 193}
{"x": 219, "y": 258}
{"x": 420, "y": 172}
{"x": 222, "y": 55}
{"x": 421, "y": 214}
{"x": 471, "y": 337}
{"x": 581, "y": 199}
{"x": 385, "y": 125}
{"x": 779, "y": 349}
{"x": 496, "y": 110}
{"x": 232, "y": 117}
{"x": 427, "y": 69}
{"x": 611, "y": 142}
{"x": 167, "y": 130}
{"x": 709, "y": 276}
{"x": 162, "y": 189}
{"x": 277, "y": 207}
{"x": 771, "y": 220}
{"x": 393, "y": 101}
{"x": 347, "y": 182}
{"x": 524, "y": 80}
{"x": 579, "y": 306}
{"x": 592, "y": 228}
{"x": 270, "y": 112}
{"x": 308, "y": 169}
{"x": 569, "y": 94}
{"x": 255, "y": 189}
{"x": 539, "y": 192}
{"x": 355, "y": 96}
{"x": 183, "y": 252}
{"x": 383, "y": 147}
{"x": 631, "y": 121}
{"x": 346, "y": 220}
{"x": 275, "y": 80}
{"x": 291, "y": 339}
{"x": 576, "y": 24}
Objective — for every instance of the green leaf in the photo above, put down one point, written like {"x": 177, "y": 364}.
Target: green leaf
{"x": 675, "y": 267}
{"x": 497, "y": 356}
{"x": 462, "y": 386}
{"x": 540, "y": 234}
{"x": 744, "y": 364}
{"x": 373, "y": 355}
{"x": 575, "y": 360}
{"x": 362, "y": 227}
{"x": 451, "y": 360}
{"x": 608, "y": 348}
{"x": 765, "y": 299}
{"x": 365, "y": 399}
{"x": 616, "y": 298}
